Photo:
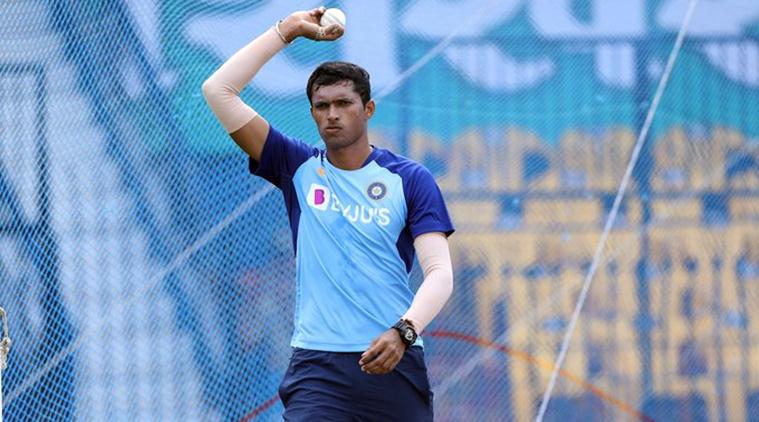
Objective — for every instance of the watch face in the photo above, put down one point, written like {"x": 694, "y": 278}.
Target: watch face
{"x": 409, "y": 335}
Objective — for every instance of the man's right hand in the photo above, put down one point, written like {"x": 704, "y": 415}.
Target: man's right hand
{"x": 306, "y": 24}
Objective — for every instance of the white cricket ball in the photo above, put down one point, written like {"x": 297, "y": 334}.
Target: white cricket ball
{"x": 333, "y": 15}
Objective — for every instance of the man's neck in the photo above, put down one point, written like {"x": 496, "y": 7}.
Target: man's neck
{"x": 350, "y": 157}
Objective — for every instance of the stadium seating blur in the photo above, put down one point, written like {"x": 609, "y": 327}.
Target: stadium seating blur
{"x": 536, "y": 225}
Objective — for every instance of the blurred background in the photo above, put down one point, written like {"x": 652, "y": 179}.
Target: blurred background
{"x": 148, "y": 276}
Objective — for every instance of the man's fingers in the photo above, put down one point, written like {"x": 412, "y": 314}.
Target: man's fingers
{"x": 384, "y": 363}
{"x": 312, "y": 29}
{"x": 383, "y": 354}
{"x": 318, "y": 12}
{"x": 333, "y": 28}
{"x": 329, "y": 33}
{"x": 376, "y": 365}
{"x": 366, "y": 357}
{"x": 372, "y": 348}
{"x": 370, "y": 353}
{"x": 334, "y": 31}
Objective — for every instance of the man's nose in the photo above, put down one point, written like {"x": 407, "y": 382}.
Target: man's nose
{"x": 333, "y": 114}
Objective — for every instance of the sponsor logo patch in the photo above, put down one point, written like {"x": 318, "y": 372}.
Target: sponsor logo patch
{"x": 318, "y": 197}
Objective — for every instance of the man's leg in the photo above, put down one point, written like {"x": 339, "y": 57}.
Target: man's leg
{"x": 401, "y": 395}
{"x": 313, "y": 390}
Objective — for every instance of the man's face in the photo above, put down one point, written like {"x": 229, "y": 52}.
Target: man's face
{"x": 339, "y": 114}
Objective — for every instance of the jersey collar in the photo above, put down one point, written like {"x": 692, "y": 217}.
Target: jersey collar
{"x": 372, "y": 156}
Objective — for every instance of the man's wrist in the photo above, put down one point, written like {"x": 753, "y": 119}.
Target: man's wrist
{"x": 412, "y": 323}
{"x": 290, "y": 28}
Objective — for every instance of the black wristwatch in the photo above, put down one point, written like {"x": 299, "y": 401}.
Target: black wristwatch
{"x": 407, "y": 332}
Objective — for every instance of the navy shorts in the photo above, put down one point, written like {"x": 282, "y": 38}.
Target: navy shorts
{"x": 330, "y": 386}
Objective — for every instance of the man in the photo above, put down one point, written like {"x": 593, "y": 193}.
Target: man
{"x": 358, "y": 214}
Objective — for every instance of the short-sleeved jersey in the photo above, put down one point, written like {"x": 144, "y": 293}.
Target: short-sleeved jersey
{"x": 353, "y": 233}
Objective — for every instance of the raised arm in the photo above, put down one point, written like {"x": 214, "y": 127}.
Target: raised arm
{"x": 222, "y": 89}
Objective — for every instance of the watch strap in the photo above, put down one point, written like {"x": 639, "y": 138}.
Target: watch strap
{"x": 407, "y": 332}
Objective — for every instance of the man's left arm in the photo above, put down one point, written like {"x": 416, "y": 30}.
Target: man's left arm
{"x": 435, "y": 259}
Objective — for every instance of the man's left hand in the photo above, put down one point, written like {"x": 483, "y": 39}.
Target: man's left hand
{"x": 383, "y": 354}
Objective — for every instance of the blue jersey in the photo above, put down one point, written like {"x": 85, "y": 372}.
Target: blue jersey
{"x": 353, "y": 233}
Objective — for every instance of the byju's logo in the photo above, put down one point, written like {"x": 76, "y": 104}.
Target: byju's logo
{"x": 322, "y": 199}
{"x": 318, "y": 197}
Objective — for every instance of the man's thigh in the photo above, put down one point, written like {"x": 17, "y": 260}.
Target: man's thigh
{"x": 331, "y": 387}
{"x": 401, "y": 395}
{"x": 312, "y": 390}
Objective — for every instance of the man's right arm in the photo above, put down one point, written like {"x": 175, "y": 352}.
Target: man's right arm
{"x": 222, "y": 89}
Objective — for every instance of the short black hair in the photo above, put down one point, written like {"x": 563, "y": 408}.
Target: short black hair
{"x": 331, "y": 73}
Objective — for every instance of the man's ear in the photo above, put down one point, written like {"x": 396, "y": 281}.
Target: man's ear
{"x": 369, "y": 109}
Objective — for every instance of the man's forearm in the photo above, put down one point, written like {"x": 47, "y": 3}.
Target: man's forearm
{"x": 435, "y": 260}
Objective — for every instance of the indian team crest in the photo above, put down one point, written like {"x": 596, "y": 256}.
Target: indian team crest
{"x": 376, "y": 190}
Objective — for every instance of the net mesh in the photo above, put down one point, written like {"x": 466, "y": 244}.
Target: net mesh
{"x": 147, "y": 276}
